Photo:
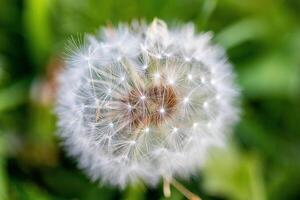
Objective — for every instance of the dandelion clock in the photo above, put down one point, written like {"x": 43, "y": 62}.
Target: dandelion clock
{"x": 145, "y": 103}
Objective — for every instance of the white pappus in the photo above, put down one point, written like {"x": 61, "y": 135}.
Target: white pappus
{"x": 142, "y": 102}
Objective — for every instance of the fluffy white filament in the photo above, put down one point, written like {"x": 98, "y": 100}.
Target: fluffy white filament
{"x": 113, "y": 114}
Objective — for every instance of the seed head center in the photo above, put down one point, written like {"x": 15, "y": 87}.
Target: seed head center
{"x": 152, "y": 106}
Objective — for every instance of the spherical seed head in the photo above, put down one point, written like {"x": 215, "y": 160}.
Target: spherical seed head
{"x": 145, "y": 102}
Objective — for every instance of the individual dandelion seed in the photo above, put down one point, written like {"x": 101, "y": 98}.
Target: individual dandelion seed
{"x": 145, "y": 102}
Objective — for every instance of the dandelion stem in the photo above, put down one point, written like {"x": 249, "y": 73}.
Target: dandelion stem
{"x": 166, "y": 189}
{"x": 188, "y": 194}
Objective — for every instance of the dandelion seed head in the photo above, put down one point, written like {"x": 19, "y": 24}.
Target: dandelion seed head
{"x": 143, "y": 102}
{"x": 185, "y": 100}
{"x": 157, "y": 75}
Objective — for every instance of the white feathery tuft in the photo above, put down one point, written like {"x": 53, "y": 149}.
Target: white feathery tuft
{"x": 145, "y": 102}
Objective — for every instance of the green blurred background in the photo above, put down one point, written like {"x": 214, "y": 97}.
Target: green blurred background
{"x": 262, "y": 39}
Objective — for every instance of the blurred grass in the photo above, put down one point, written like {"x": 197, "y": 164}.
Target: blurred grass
{"x": 240, "y": 176}
{"x": 3, "y": 175}
{"x": 37, "y": 29}
{"x": 262, "y": 39}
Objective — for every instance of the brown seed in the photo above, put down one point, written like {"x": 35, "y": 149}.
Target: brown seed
{"x": 152, "y": 106}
